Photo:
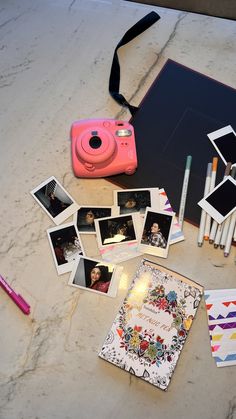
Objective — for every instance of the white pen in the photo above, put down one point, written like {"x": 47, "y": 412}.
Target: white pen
{"x": 218, "y": 234}
{"x": 215, "y": 225}
{"x": 224, "y": 233}
{"x": 212, "y": 185}
{"x": 203, "y": 213}
{"x": 184, "y": 191}
{"x": 234, "y": 238}
{"x": 229, "y": 238}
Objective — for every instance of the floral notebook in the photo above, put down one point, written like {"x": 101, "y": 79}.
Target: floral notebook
{"x": 149, "y": 332}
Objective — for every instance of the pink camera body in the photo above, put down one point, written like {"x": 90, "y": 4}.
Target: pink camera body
{"x": 103, "y": 147}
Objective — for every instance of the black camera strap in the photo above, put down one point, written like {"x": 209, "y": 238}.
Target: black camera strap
{"x": 114, "y": 82}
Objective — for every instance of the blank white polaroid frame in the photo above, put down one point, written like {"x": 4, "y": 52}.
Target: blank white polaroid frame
{"x": 91, "y": 213}
{"x": 165, "y": 222}
{"x": 220, "y": 202}
{"x": 78, "y": 275}
{"x": 224, "y": 141}
{"x": 42, "y": 195}
{"x": 65, "y": 252}
{"x": 108, "y": 230}
{"x": 134, "y": 200}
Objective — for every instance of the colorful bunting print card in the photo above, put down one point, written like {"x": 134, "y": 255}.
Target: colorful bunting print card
{"x": 221, "y": 315}
{"x": 151, "y": 327}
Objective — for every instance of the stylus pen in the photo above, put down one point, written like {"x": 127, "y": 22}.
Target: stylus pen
{"x": 18, "y": 300}
{"x": 215, "y": 225}
{"x": 203, "y": 213}
{"x": 228, "y": 219}
{"x": 212, "y": 185}
{"x": 229, "y": 238}
{"x": 184, "y": 191}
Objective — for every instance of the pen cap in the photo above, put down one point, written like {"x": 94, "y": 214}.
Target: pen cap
{"x": 214, "y": 164}
{"x": 188, "y": 162}
{"x": 25, "y": 307}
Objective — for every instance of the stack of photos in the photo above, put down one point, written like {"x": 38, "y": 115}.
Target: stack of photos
{"x": 136, "y": 202}
{"x": 65, "y": 242}
{"x": 140, "y": 221}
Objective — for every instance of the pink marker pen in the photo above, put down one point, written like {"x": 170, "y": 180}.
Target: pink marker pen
{"x": 18, "y": 300}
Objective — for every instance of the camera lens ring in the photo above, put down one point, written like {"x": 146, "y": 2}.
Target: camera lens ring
{"x": 92, "y": 155}
{"x": 95, "y": 142}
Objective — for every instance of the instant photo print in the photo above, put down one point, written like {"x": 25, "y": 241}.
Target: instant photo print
{"x": 224, "y": 141}
{"x": 96, "y": 276}
{"x": 54, "y": 200}
{"x": 155, "y": 238}
{"x": 220, "y": 202}
{"x": 65, "y": 245}
{"x": 136, "y": 200}
{"x": 85, "y": 216}
{"x": 116, "y": 230}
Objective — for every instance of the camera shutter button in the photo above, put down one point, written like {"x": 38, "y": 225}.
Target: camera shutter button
{"x": 89, "y": 166}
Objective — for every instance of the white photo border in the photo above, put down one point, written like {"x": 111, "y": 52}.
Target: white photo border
{"x": 60, "y": 218}
{"x": 114, "y": 211}
{"x": 115, "y": 278}
{"x": 154, "y": 197}
{"x": 135, "y": 219}
{"x": 66, "y": 267}
{"x": 153, "y": 250}
{"x": 212, "y": 211}
{"x": 221, "y": 133}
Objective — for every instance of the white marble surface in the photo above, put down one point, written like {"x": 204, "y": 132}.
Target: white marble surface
{"x": 55, "y": 59}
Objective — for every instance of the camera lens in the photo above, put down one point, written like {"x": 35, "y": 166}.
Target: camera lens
{"x": 95, "y": 142}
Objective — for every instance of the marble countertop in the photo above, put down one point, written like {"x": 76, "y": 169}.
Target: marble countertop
{"x": 55, "y": 59}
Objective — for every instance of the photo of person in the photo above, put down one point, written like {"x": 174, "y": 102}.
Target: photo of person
{"x": 156, "y": 233}
{"x": 55, "y": 201}
{"x": 114, "y": 230}
{"x": 94, "y": 275}
{"x": 154, "y": 237}
{"x": 65, "y": 245}
{"x": 85, "y": 216}
{"x": 136, "y": 200}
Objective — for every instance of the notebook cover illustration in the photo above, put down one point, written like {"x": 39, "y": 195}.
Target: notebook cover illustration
{"x": 181, "y": 107}
{"x": 149, "y": 331}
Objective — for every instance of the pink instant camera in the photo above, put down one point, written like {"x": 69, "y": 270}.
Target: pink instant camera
{"x": 103, "y": 147}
